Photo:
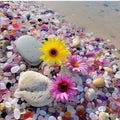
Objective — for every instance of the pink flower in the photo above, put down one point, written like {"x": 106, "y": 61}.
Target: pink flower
{"x": 76, "y": 64}
{"x": 62, "y": 88}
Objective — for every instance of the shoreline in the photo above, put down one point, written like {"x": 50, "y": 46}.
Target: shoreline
{"x": 101, "y": 18}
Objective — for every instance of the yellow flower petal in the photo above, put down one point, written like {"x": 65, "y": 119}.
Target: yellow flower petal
{"x": 54, "y": 51}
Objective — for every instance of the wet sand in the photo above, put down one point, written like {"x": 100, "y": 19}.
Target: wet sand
{"x": 102, "y": 18}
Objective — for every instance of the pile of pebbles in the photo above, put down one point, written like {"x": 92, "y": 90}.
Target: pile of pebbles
{"x": 23, "y": 27}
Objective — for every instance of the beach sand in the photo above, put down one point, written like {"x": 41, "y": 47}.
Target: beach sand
{"x": 102, "y": 18}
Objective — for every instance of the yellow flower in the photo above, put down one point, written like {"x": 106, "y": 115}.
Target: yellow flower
{"x": 54, "y": 51}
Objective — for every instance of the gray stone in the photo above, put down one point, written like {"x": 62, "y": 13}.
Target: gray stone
{"x": 33, "y": 87}
{"x": 27, "y": 47}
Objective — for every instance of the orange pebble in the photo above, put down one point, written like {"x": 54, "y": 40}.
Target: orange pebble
{"x": 67, "y": 114}
{"x": 59, "y": 109}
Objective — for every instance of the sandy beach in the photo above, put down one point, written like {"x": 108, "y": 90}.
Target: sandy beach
{"x": 101, "y": 18}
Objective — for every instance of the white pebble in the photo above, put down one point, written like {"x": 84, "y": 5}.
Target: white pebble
{"x": 88, "y": 81}
{"x": 14, "y": 101}
{"x": 117, "y": 75}
{"x": 93, "y": 116}
{"x": 51, "y": 118}
{"x": 15, "y": 69}
{"x": 22, "y": 67}
{"x": 34, "y": 117}
{"x": 101, "y": 108}
{"x": 2, "y": 86}
{"x": 9, "y": 54}
{"x": 8, "y": 105}
{"x": 16, "y": 113}
{"x": 16, "y": 93}
{"x": 114, "y": 95}
{"x": 9, "y": 47}
{"x": 61, "y": 113}
{"x": 40, "y": 118}
{"x": 42, "y": 112}
{"x": 59, "y": 117}
{"x": 79, "y": 88}
{"x": 51, "y": 109}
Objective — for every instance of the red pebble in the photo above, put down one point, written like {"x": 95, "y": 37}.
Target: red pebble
{"x": 27, "y": 115}
{"x": 80, "y": 112}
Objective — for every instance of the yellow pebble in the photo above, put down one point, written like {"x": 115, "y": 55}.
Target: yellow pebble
{"x": 59, "y": 109}
{"x": 76, "y": 42}
{"x": 2, "y": 106}
{"x": 67, "y": 114}
{"x": 108, "y": 69}
{"x": 98, "y": 82}
{"x": 1, "y": 14}
{"x": 114, "y": 80}
{"x": 97, "y": 55}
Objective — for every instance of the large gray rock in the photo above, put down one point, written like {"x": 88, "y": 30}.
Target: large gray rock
{"x": 33, "y": 87}
{"x": 27, "y": 47}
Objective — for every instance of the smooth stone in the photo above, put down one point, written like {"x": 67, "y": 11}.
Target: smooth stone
{"x": 90, "y": 94}
{"x": 51, "y": 118}
{"x": 101, "y": 108}
{"x": 98, "y": 82}
{"x": 15, "y": 69}
{"x": 108, "y": 69}
{"x": 42, "y": 112}
{"x": 2, "y": 107}
{"x": 33, "y": 87}
{"x": 27, "y": 47}
{"x": 17, "y": 113}
{"x": 102, "y": 116}
{"x": 76, "y": 42}
{"x": 4, "y": 44}
{"x": 22, "y": 67}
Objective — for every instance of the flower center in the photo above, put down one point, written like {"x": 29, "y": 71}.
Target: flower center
{"x": 75, "y": 64}
{"x": 63, "y": 87}
{"x": 53, "y": 52}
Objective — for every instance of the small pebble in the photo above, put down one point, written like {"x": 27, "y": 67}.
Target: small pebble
{"x": 8, "y": 105}
{"x": 80, "y": 88}
{"x": 42, "y": 112}
{"x": 2, "y": 86}
{"x": 15, "y": 69}
{"x": 16, "y": 113}
{"x": 101, "y": 108}
{"x": 108, "y": 69}
{"x": 3, "y": 114}
{"x": 76, "y": 42}
{"x": 40, "y": 118}
{"x": 22, "y": 67}
{"x": 51, "y": 109}
{"x": 2, "y": 107}
{"x": 90, "y": 94}
{"x": 51, "y": 118}
{"x": 93, "y": 116}
{"x": 98, "y": 82}
{"x": 102, "y": 116}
